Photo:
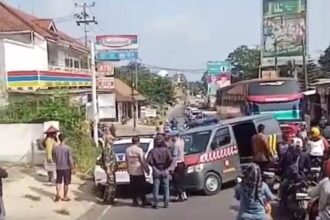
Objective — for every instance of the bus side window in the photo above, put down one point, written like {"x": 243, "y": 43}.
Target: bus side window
{"x": 221, "y": 138}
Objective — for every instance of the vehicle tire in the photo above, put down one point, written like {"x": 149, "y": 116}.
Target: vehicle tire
{"x": 212, "y": 184}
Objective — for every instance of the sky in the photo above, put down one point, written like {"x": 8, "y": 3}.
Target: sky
{"x": 182, "y": 34}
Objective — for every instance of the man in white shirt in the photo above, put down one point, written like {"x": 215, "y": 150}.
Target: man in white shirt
{"x": 136, "y": 166}
{"x": 178, "y": 167}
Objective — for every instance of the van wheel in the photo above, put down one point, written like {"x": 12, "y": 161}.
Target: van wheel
{"x": 212, "y": 184}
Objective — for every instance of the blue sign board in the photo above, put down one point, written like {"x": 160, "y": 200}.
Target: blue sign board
{"x": 113, "y": 55}
{"x": 216, "y": 67}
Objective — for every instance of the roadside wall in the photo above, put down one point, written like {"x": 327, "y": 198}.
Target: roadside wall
{"x": 19, "y": 143}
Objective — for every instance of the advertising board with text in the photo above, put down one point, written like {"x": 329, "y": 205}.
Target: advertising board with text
{"x": 105, "y": 83}
{"x": 283, "y": 32}
{"x": 116, "y": 47}
{"x": 216, "y": 67}
{"x": 216, "y": 82}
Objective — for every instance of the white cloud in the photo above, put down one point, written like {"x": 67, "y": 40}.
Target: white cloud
{"x": 180, "y": 26}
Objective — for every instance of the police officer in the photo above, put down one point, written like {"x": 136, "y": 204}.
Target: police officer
{"x": 110, "y": 167}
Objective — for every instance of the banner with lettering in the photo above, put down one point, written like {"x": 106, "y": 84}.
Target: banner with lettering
{"x": 284, "y": 31}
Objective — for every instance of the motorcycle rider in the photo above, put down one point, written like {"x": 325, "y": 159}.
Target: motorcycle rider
{"x": 174, "y": 124}
{"x": 294, "y": 165}
{"x": 315, "y": 145}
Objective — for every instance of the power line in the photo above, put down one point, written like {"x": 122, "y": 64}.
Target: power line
{"x": 83, "y": 18}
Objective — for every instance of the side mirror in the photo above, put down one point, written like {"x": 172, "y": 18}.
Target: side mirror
{"x": 214, "y": 145}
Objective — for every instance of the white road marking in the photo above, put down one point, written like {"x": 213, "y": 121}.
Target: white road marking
{"x": 104, "y": 212}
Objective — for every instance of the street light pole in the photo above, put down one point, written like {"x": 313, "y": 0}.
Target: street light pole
{"x": 94, "y": 95}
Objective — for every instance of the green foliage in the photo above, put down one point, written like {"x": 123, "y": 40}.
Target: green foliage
{"x": 245, "y": 62}
{"x": 324, "y": 60}
{"x": 313, "y": 74}
{"x": 69, "y": 115}
{"x": 155, "y": 88}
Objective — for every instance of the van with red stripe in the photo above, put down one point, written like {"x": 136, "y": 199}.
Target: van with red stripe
{"x": 214, "y": 153}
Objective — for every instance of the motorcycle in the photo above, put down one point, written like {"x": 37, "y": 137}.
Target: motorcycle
{"x": 316, "y": 168}
{"x": 272, "y": 180}
{"x": 298, "y": 200}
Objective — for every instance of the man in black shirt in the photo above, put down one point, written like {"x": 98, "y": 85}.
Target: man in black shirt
{"x": 160, "y": 159}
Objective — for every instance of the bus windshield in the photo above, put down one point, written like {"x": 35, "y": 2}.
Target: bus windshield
{"x": 276, "y": 87}
{"x": 275, "y": 106}
{"x": 196, "y": 142}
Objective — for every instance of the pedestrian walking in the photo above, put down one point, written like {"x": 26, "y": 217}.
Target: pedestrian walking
{"x": 109, "y": 164}
{"x": 3, "y": 174}
{"x": 64, "y": 164}
{"x": 160, "y": 159}
{"x": 49, "y": 143}
{"x": 178, "y": 167}
{"x": 136, "y": 166}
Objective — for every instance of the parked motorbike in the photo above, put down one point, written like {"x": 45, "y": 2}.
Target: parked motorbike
{"x": 298, "y": 198}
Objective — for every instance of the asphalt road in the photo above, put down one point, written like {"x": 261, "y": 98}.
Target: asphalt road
{"x": 198, "y": 207}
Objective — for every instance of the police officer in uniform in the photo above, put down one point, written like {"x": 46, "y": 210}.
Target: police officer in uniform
{"x": 110, "y": 166}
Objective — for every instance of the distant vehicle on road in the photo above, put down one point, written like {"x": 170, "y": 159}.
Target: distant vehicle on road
{"x": 280, "y": 97}
{"x": 119, "y": 148}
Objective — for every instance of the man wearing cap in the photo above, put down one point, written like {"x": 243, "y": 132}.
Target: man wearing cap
{"x": 160, "y": 159}
{"x": 49, "y": 143}
{"x": 109, "y": 164}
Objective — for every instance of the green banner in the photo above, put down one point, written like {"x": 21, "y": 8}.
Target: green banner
{"x": 284, "y": 31}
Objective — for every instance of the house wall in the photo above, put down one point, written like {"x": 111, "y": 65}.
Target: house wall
{"x": 18, "y": 141}
{"x": 57, "y": 55}
{"x": 21, "y": 56}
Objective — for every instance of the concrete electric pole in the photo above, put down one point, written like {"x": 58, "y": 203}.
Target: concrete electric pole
{"x": 83, "y": 18}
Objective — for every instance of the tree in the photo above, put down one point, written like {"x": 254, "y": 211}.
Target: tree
{"x": 313, "y": 73}
{"x": 324, "y": 60}
{"x": 245, "y": 62}
{"x": 156, "y": 89}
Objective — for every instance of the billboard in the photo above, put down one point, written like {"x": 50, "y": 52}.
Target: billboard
{"x": 216, "y": 67}
{"x": 283, "y": 30}
{"x": 116, "y": 47}
{"x": 216, "y": 82}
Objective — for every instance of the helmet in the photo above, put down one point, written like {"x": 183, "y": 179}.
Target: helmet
{"x": 315, "y": 132}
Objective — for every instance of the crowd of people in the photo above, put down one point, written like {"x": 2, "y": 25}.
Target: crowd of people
{"x": 294, "y": 156}
{"x": 166, "y": 161}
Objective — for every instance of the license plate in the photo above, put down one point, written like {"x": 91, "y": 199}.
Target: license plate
{"x": 316, "y": 169}
{"x": 302, "y": 196}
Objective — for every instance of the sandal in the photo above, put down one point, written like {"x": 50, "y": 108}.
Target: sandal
{"x": 66, "y": 199}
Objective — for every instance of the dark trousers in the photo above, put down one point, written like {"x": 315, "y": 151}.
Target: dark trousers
{"x": 138, "y": 188}
{"x": 179, "y": 178}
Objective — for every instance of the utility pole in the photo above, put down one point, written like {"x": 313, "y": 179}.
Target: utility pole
{"x": 133, "y": 99}
{"x": 275, "y": 47}
{"x": 94, "y": 96}
{"x": 83, "y": 18}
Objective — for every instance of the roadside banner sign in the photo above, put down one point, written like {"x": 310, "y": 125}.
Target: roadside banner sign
{"x": 105, "y": 83}
{"x": 284, "y": 33}
{"x": 116, "y": 47}
{"x": 105, "y": 68}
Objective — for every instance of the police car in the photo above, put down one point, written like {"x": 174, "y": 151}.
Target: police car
{"x": 119, "y": 148}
